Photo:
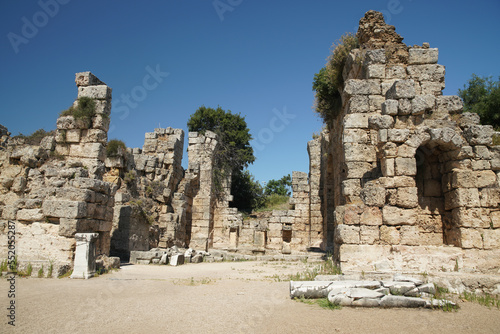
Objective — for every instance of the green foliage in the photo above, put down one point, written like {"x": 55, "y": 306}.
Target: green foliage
{"x": 481, "y": 95}
{"x": 4, "y": 266}
{"x": 281, "y": 187}
{"x": 84, "y": 110}
{"x": 325, "y": 268}
{"x": 328, "y": 82}
{"x": 40, "y": 272}
{"x": 247, "y": 192}
{"x": 66, "y": 274}
{"x": 36, "y": 137}
{"x": 322, "y": 302}
{"x": 234, "y": 150}
{"x": 51, "y": 269}
{"x": 274, "y": 202}
{"x": 484, "y": 299}
{"x": 115, "y": 147}
{"x": 129, "y": 177}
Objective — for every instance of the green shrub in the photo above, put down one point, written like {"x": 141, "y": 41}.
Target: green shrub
{"x": 115, "y": 147}
{"x": 329, "y": 81}
{"x": 84, "y": 110}
{"x": 36, "y": 137}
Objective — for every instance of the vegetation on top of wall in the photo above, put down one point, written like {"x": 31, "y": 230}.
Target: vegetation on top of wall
{"x": 481, "y": 95}
{"x": 36, "y": 137}
{"x": 115, "y": 147}
{"x": 329, "y": 82}
{"x": 85, "y": 109}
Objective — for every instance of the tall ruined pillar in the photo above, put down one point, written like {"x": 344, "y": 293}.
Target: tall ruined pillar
{"x": 82, "y": 129}
{"x": 201, "y": 162}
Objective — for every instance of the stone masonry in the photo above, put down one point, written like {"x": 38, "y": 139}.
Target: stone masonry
{"x": 413, "y": 181}
{"x": 402, "y": 180}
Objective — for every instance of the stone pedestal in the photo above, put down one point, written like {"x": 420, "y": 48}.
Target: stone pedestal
{"x": 85, "y": 255}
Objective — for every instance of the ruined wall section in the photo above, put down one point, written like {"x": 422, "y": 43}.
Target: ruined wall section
{"x": 415, "y": 173}
{"x": 51, "y": 192}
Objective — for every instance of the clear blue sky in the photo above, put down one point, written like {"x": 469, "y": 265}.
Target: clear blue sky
{"x": 257, "y": 58}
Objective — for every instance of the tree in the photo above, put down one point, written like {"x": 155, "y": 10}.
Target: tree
{"x": 234, "y": 153}
{"x": 247, "y": 192}
{"x": 280, "y": 187}
{"x": 481, "y": 95}
{"x": 329, "y": 82}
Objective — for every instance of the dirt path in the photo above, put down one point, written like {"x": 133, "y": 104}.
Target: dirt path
{"x": 239, "y": 297}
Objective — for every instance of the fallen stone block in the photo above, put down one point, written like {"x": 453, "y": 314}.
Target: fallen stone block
{"x": 401, "y": 301}
{"x": 177, "y": 259}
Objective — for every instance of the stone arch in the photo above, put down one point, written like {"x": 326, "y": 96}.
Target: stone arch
{"x": 435, "y": 157}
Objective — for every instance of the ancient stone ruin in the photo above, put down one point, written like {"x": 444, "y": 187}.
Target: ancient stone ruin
{"x": 403, "y": 181}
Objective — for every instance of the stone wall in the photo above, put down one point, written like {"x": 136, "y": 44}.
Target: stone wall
{"x": 415, "y": 180}
{"x": 54, "y": 190}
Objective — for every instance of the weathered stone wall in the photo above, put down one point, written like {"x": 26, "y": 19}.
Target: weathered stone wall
{"x": 416, "y": 181}
{"x": 53, "y": 191}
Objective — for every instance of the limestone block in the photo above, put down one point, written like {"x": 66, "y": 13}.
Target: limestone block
{"x": 387, "y": 167}
{"x": 94, "y": 136}
{"x": 491, "y": 239}
{"x": 405, "y": 166}
{"x": 356, "y": 121}
{"x": 431, "y": 88}
{"x": 471, "y": 217}
{"x": 406, "y": 151}
{"x": 100, "y": 92}
{"x": 389, "y": 235}
{"x": 479, "y": 134}
{"x": 347, "y": 234}
{"x": 350, "y": 215}
{"x": 88, "y": 150}
{"x": 30, "y": 215}
{"x": 449, "y": 104}
{"x": 398, "y": 216}
{"x": 410, "y": 235}
{"x": 375, "y": 71}
{"x": 373, "y": 196}
{"x": 431, "y": 72}
{"x": 482, "y": 152}
{"x": 390, "y": 107}
{"x": 462, "y": 197}
{"x": 407, "y": 197}
{"x": 176, "y": 259}
{"x": 356, "y": 136}
{"x": 398, "y": 135}
{"x": 468, "y": 119}
{"x": 101, "y": 122}
{"x": 422, "y": 56}
{"x": 480, "y": 165}
{"x": 404, "y": 107}
{"x": 375, "y": 102}
{"x": 402, "y": 301}
{"x": 395, "y": 72}
{"x": 351, "y": 187}
{"x": 376, "y": 56}
{"x": 358, "y": 170}
{"x": 369, "y": 234}
{"x": 471, "y": 238}
{"x": 73, "y": 136}
{"x": 371, "y": 216}
{"x": 362, "y": 87}
{"x": 431, "y": 239}
{"x": 64, "y": 209}
{"x": 359, "y": 104}
{"x": 401, "y": 89}
{"x": 69, "y": 122}
{"x": 360, "y": 152}
{"x": 87, "y": 79}
{"x": 473, "y": 179}
{"x": 489, "y": 197}
{"x": 422, "y": 103}
{"x": 92, "y": 184}
{"x": 430, "y": 223}
{"x": 380, "y": 122}
{"x": 495, "y": 219}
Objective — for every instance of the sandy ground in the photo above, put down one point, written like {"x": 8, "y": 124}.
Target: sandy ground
{"x": 239, "y": 297}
